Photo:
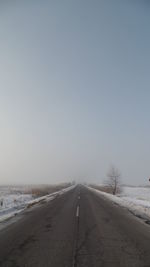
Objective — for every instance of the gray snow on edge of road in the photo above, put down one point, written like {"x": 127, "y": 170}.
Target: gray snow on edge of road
{"x": 140, "y": 208}
{"x": 16, "y": 210}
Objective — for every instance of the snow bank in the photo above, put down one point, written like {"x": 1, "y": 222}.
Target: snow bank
{"x": 135, "y": 199}
{"x": 12, "y": 204}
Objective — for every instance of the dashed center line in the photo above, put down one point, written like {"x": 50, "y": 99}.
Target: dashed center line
{"x": 77, "y": 233}
{"x": 77, "y": 212}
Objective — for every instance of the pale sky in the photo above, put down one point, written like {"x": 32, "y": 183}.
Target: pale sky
{"x": 74, "y": 90}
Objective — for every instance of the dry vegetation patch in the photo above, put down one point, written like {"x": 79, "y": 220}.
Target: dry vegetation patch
{"x": 105, "y": 188}
{"x": 42, "y": 190}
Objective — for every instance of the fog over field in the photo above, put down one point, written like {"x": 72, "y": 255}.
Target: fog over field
{"x": 74, "y": 91}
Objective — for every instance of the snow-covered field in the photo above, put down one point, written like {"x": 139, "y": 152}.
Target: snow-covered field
{"x": 138, "y": 193}
{"x": 13, "y": 200}
{"x": 136, "y": 199}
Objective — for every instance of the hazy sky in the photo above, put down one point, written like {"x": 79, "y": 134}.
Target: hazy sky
{"x": 74, "y": 90}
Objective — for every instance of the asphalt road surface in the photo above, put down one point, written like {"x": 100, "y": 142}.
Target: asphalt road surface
{"x": 77, "y": 229}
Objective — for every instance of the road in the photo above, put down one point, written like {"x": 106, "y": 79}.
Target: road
{"x": 76, "y": 229}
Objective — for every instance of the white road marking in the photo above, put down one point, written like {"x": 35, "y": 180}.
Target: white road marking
{"x": 77, "y": 212}
{"x": 78, "y": 197}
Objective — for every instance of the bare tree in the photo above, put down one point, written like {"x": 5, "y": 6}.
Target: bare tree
{"x": 113, "y": 181}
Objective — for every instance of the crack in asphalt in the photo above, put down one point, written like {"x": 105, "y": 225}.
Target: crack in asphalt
{"x": 87, "y": 233}
{"x": 77, "y": 247}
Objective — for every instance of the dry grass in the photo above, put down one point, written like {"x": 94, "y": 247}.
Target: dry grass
{"x": 105, "y": 188}
{"x": 43, "y": 190}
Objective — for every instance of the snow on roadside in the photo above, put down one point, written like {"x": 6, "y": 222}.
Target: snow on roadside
{"x": 136, "y": 200}
{"x": 14, "y": 203}
{"x": 11, "y": 204}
